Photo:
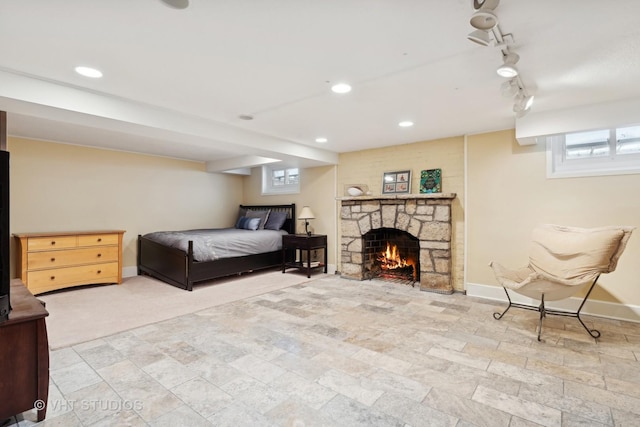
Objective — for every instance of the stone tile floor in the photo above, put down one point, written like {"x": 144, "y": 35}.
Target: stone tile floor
{"x": 336, "y": 352}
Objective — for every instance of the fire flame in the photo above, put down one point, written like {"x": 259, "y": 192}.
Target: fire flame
{"x": 390, "y": 259}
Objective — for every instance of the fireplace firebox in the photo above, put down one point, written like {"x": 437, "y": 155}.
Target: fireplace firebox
{"x": 391, "y": 254}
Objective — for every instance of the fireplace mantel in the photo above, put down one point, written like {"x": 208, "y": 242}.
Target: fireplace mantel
{"x": 400, "y": 197}
{"x": 425, "y": 216}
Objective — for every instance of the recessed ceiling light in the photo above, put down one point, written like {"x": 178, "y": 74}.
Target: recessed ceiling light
{"x": 321, "y": 140}
{"x": 89, "y": 72}
{"x": 341, "y": 88}
{"x": 405, "y": 124}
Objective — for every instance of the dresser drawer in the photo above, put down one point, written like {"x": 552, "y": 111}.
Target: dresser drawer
{"x": 48, "y": 243}
{"x": 97, "y": 239}
{"x": 71, "y": 257}
{"x": 45, "y": 280}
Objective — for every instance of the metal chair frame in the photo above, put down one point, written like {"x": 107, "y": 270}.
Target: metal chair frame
{"x": 544, "y": 311}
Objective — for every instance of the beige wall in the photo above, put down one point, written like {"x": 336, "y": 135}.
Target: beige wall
{"x": 59, "y": 187}
{"x": 367, "y": 167}
{"x": 317, "y": 190}
{"x": 508, "y": 194}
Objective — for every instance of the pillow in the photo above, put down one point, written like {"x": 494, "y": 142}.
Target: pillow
{"x": 248, "y": 223}
{"x": 276, "y": 220}
{"x": 261, "y": 215}
{"x": 242, "y": 212}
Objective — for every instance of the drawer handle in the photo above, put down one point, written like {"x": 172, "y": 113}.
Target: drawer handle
{"x": 99, "y": 255}
{"x": 53, "y": 277}
{"x": 99, "y": 239}
{"x": 53, "y": 242}
{"x": 53, "y": 260}
{"x": 99, "y": 271}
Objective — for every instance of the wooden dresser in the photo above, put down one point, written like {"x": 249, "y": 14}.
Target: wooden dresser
{"x": 24, "y": 355}
{"x": 50, "y": 261}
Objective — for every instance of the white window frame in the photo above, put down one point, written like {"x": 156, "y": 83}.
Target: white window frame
{"x": 268, "y": 172}
{"x": 558, "y": 166}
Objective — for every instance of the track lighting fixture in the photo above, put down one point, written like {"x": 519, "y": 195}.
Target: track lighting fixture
{"x": 510, "y": 88}
{"x": 485, "y": 4}
{"x": 485, "y": 22}
{"x": 483, "y": 18}
{"x": 522, "y": 104}
{"x": 480, "y": 36}
{"x": 508, "y": 68}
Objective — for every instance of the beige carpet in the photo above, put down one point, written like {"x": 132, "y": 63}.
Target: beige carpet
{"x": 83, "y": 314}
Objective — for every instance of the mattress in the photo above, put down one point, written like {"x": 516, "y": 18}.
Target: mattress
{"x": 218, "y": 243}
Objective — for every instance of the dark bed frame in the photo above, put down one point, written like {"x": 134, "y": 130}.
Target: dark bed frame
{"x": 178, "y": 268}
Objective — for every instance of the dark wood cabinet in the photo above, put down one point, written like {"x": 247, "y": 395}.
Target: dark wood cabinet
{"x": 300, "y": 243}
{"x": 24, "y": 355}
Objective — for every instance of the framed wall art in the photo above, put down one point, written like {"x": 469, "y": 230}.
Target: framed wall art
{"x": 431, "y": 181}
{"x": 398, "y": 182}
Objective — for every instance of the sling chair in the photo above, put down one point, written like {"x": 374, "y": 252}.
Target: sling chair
{"x": 562, "y": 262}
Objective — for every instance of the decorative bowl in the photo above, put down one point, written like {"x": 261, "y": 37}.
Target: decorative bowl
{"x": 355, "y": 191}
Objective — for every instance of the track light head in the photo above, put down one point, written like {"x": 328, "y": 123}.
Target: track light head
{"x": 485, "y": 4}
{"x": 523, "y": 104}
{"x": 510, "y": 88}
{"x": 528, "y": 102}
{"x": 508, "y": 68}
{"x": 483, "y": 20}
{"x": 481, "y": 37}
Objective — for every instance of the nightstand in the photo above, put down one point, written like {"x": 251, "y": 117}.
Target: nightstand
{"x": 300, "y": 243}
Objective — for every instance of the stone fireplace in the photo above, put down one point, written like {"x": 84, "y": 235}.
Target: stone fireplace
{"x": 425, "y": 218}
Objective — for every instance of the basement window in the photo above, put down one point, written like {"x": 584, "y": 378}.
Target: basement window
{"x": 613, "y": 151}
{"x": 280, "y": 180}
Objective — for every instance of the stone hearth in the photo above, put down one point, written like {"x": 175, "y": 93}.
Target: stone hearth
{"x": 425, "y": 216}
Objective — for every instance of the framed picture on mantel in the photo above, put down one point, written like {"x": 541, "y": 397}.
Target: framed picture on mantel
{"x": 431, "y": 181}
{"x": 398, "y": 182}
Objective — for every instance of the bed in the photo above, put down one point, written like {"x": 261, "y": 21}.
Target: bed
{"x": 183, "y": 263}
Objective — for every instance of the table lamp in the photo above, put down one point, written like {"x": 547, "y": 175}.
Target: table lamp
{"x": 306, "y": 214}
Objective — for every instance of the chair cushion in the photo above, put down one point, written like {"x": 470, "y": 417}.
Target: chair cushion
{"x": 571, "y": 253}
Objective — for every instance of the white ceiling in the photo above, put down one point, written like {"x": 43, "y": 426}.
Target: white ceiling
{"x": 175, "y": 81}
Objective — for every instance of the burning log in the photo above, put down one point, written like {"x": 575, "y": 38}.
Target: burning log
{"x": 392, "y": 265}
{"x": 399, "y": 273}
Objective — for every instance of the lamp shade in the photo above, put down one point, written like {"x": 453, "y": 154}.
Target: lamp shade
{"x": 306, "y": 213}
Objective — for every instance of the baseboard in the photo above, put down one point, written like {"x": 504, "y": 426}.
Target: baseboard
{"x": 604, "y": 309}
